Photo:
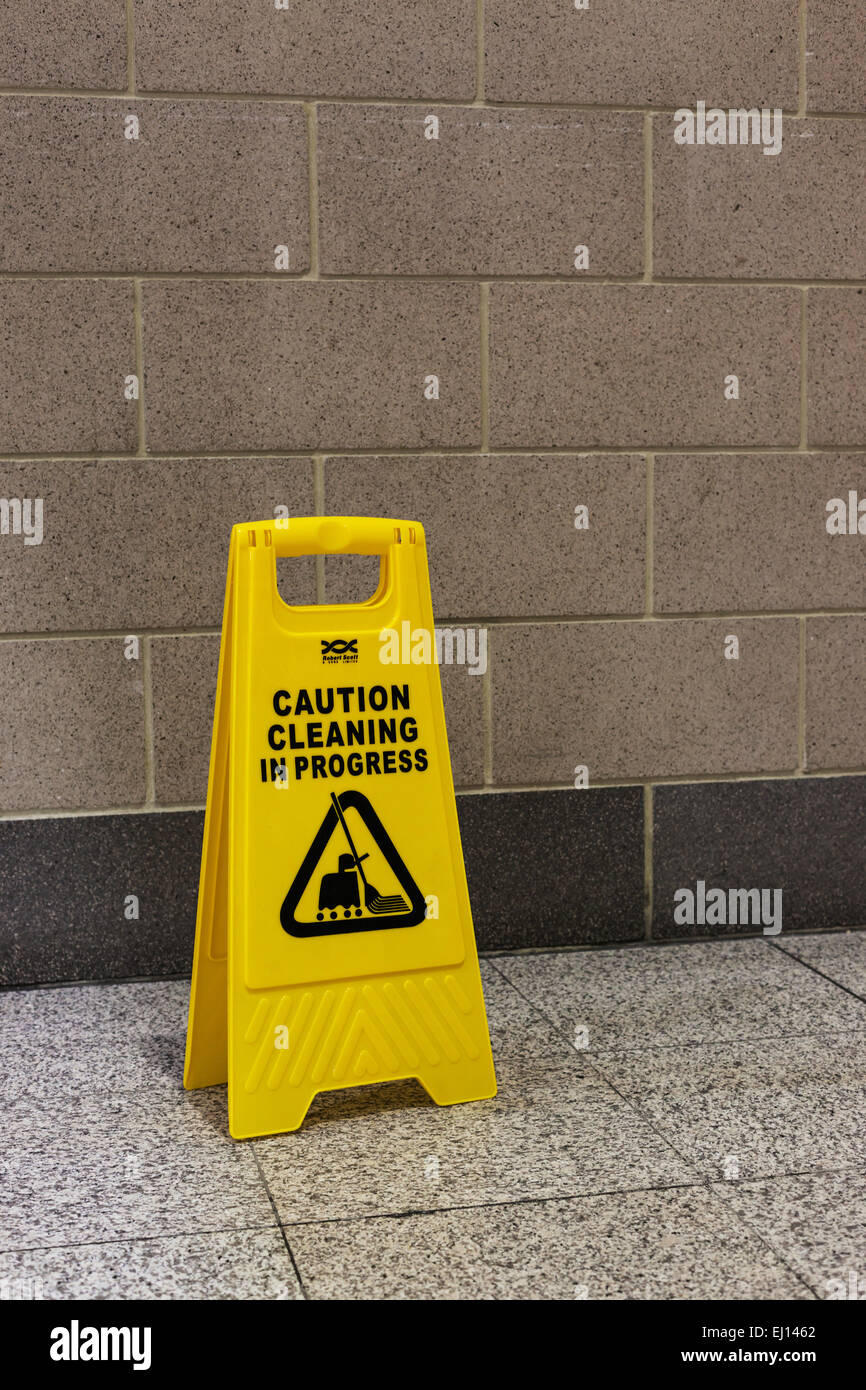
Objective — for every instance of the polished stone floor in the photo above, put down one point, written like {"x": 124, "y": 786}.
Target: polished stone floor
{"x": 673, "y": 1122}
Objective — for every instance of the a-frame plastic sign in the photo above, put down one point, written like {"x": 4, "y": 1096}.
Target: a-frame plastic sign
{"x": 334, "y": 943}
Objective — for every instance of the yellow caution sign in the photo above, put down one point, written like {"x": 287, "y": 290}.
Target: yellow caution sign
{"x": 334, "y": 943}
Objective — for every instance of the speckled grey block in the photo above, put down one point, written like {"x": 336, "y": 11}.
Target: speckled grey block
{"x": 840, "y": 956}
{"x": 468, "y": 506}
{"x": 395, "y": 48}
{"x": 184, "y": 689}
{"x": 64, "y": 890}
{"x": 77, "y": 708}
{"x": 708, "y": 992}
{"x": 118, "y": 1165}
{"x": 789, "y": 216}
{"x": 642, "y": 700}
{"x": 204, "y": 186}
{"x": 65, "y": 352}
{"x": 835, "y": 56}
{"x": 463, "y": 697}
{"x": 835, "y": 668}
{"x": 748, "y": 1110}
{"x": 81, "y": 44}
{"x": 135, "y": 543}
{"x": 803, "y": 836}
{"x": 817, "y": 1224}
{"x": 497, "y": 192}
{"x": 585, "y": 366}
{"x": 714, "y": 553}
{"x": 678, "y": 1243}
{"x": 837, "y": 354}
{"x": 639, "y": 54}
{"x": 241, "y": 1264}
{"x": 294, "y": 364}
{"x": 554, "y": 868}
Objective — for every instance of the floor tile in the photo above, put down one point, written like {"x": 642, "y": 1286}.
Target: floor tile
{"x": 817, "y": 1224}
{"x": 116, "y": 1165}
{"x": 530, "y": 1055}
{"x": 677, "y": 1243}
{"x": 746, "y": 1110}
{"x": 841, "y": 956}
{"x": 214, "y": 1265}
{"x": 362, "y": 1157}
{"x": 670, "y": 995}
{"x": 76, "y": 1040}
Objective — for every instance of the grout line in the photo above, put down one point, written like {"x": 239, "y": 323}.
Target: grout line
{"x": 492, "y": 955}
{"x": 129, "y": 1239}
{"x": 300, "y": 98}
{"x": 130, "y": 47}
{"x": 487, "y": 717}
{"x": 456, "y": 277}
{"x": 138, "y": 318}
{"x": 564, "y": 1196}
{"x": 107, "y": 635}
{"x": 801, "y": 697}
{"x": 565, "y": 620}
{"x": 319, "y": 507}
{"x": 280, "y": 1225}
{"x": 722, "y": 615}
{"x": 149, "y": 748}
{"x": 648, "y": 198}
{"x": 676, "y": 779}
{"x": 649, "y": 523}
{"x": 648, "y": 860}
{"x": 479, "y": 53}
{"x": 493, "y": 789}
{"x": 593, "y": 1065}
{"x": 545, "y": 620}
{"x": 499, "y": 953}
{"x": 801, "y": 59}
{"x": 89, "y": 813}
{"x": 774, "y": 1245}
{"x": 484, "y": 317}
{"x": 804, "y": 384}
{"x": 808, "y": 965}
{"x": 704, "y": 1181}
{"x": 469, "y": 451}
{"x": 313, "y": 188}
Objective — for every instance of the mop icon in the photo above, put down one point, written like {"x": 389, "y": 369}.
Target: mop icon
{"x": 345, "y": 899}
{"x": 344, "y": 882}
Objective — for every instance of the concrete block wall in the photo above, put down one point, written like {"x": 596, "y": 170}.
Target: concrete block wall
{"x": 238, "y": 243}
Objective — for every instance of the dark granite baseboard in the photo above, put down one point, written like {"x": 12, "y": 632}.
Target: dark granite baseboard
{"x": 64, "y": 890}
{"x": 548, "y": 868}
{"x": 804, "y": 837}
{"x": 556, "y": 868}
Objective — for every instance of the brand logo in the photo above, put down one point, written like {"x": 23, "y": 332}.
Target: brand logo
{"x": 22, "y": 516}
{"x": 739, "y": 907}
{"x": 340, "y": 652}
{"x": 77, "y": 1343}
{"x": 847, "y": 520}
{"x": 416, "y": 646}
{"x": 735, "y": 127}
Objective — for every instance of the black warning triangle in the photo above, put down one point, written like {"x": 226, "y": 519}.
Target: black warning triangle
{"x": 364, "y": 908}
